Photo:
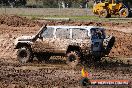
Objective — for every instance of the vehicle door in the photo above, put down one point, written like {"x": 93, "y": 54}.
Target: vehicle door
{"x": 42, "y": 44}
{"x": 61, "y": 41}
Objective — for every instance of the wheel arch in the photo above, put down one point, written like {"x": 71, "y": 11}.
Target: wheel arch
{"x": 72, "y": 48}
{"x": 19, "y": 45}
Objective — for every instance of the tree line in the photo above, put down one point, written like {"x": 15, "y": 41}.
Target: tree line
{"x": 13, "y": 3}
{"x": 49, "y": 3}
{"x": 40, "y": 3}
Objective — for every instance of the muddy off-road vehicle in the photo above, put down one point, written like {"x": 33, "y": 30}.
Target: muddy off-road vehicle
{"x": 77, "y": 43}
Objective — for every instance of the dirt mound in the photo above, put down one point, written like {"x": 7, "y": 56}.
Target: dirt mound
{"x": 75, "y": 23}
{"x": 17, "y": 21}
{"x": 123, "y": 45}
{"x": 88, "y": 23}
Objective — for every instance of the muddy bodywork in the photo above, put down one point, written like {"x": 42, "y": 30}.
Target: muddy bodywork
{"x": 63, "y": 39}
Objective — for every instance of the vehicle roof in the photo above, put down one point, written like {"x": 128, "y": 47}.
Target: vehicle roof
{"x": 85, "y": 27}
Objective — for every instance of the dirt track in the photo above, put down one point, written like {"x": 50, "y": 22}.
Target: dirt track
{"x": 57, "y": 74}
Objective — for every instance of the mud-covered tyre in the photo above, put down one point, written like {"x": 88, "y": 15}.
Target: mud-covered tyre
{"x": 103, "y": 13}
{"x": 110, "y": 44}
{"x": 124, "y": 13}
{"x": 73, "y": 58}
{"x": 24, "y": 55}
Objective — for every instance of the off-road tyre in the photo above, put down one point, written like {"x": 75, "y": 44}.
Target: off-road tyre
{"x": 73, "y": 58}
{"x": 110, "y": 44}
{"x": 103, "y": 13}
{"x": 124, "y": 13}
{"x": 24, "y": 54}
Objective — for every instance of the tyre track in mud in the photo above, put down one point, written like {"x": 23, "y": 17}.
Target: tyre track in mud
{"x": 58, "y": 75}
{"x": 44, "y": 75}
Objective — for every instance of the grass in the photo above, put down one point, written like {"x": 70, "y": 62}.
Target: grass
{"x": 79, "y": 18}
{"x": 74, "y": 18}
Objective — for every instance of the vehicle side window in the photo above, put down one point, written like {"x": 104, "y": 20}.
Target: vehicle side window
{"x": 48, "y": 33}
{"x": 79, "y": 33}
{"x": 63, "y": 33}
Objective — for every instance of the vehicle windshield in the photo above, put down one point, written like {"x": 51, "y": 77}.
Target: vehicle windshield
{"x": 41, "y": 30}
{"x": 47, "y": 32}
{"x": 97, "y": 33}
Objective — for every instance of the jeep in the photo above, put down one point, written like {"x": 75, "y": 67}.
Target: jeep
{"x": 74, "y": 42}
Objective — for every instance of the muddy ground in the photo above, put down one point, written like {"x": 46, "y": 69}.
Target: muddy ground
{"x": 56, "y": 73}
